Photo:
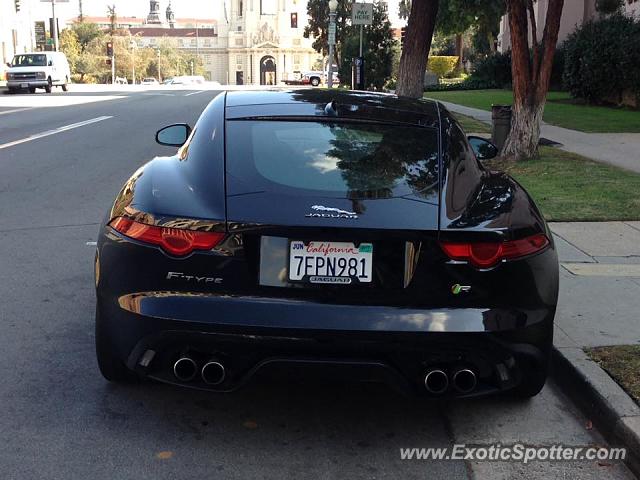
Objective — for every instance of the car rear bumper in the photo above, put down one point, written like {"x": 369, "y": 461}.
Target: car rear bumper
{"x": 253, "y": 336}
{"x": 28, "y": 83}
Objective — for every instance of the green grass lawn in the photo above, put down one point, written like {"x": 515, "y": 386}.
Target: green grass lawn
{"x": 560, "y": 110}
{"x": 622, "y": 362}
{"x": 568, "y": 187}
{"x": 471, "y": 125}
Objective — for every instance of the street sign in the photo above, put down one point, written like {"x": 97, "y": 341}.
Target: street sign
{"x": 41, "y": 36}
{"x": 362, "y": 13}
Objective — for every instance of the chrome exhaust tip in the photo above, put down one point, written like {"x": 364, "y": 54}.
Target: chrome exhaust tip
{"x": 464, "y": 380}
{"x": 185, "y": 369}
{"x": 436, "y": 381}
{"x": 213, "y": 373}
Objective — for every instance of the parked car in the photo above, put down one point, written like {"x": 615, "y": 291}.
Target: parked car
{"x": 149, "y": 81}
{"x": 184, "y": 80}
{"x": 29, "y": 71}
{"x": 313, "y": 78}
{"x": 355, "y": 234}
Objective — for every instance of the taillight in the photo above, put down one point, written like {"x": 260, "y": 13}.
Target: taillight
{"x": 175, "y": 241}
{"x": 488, "y": 254}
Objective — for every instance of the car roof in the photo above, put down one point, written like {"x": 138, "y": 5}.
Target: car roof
{"x": 340, "y": 103}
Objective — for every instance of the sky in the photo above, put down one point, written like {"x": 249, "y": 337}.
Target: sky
{"x": 205, "y": 9}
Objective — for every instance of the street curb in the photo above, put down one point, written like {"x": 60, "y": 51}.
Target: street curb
{"x": 601, "y": 399}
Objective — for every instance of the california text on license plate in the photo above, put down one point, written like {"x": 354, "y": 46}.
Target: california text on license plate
{"x": 330, "y": 262}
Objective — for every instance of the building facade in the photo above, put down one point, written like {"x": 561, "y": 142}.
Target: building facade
{"x": 574, "y": 14}
{"x": 16, "y": 32}
{"x": 258, "y": 42}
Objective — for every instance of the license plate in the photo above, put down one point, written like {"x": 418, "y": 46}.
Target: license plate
{"x": 337, "y": 263}
{"x": 24, "y": 85}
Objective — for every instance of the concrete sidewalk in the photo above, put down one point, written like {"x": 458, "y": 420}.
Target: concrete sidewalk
{"x": 619, "y": 149}
{"x": 599, "y": 283}
{"x": 599, "y": 305}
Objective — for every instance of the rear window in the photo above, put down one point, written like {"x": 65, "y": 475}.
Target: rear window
{"x": 353, "y": 160}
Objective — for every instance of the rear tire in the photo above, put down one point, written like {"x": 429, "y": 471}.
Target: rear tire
{"x": 47, "y": 87}
{"x": 111, "y": 367}
{"x": 64, "y": 85}
{"x": 11, "y": 90}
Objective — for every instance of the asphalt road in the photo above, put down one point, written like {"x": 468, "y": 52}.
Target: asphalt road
{"x": 59, "y": 419}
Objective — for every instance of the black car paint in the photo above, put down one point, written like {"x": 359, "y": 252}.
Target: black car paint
{"x": 404, "y": 323}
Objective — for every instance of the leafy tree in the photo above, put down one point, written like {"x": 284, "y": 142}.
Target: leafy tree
{"x": 70, "y": 45}
{"x": 457, "y": 16}
{"x": 378, "y": 49}
{"x": 415, "y": 52}
{"x": 451, "y": 17}
{"x": 609, "y": 6}
{"x": 318, "y": 27}
{"x": 86, "y": 32}
{"x": 530, "y": 73}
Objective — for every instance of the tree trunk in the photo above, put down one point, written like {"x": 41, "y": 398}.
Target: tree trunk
{"x": 415, "y": 51}
{"x": 530, "y": 82}
{"x": 459, "y": 50}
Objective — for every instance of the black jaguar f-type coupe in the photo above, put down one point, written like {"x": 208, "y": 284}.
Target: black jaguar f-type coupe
{"x": 321, "y": 233}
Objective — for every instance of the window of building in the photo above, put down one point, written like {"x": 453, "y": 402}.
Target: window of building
{"x": 239, "y": 59}
{"x": 193, "y": 42}
{"x": 238, "y": 42}
{"x": 240, "y": 8}
{"x": 207, "y": 42}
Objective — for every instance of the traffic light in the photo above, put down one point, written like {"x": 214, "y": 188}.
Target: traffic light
{"x": 17, "y": 4}
{"x": 403, "y": 34}
{"x": 109, "y": 49}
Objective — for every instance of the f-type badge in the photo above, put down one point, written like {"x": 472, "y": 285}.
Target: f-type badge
{"x": 458, "y": 289}
{"x": 320, "y": 211}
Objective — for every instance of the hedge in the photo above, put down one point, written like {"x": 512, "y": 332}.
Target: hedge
{"x": 602, "y": 60}
{"x": 442, "y": 65}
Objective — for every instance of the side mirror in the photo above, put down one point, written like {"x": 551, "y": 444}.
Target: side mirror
{"x": 50, "y": 63}
{"x": 484, "y": 149}
{"x": 174, "y": 135}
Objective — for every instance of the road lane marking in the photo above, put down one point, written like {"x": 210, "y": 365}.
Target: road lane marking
{"x": 53, "y": 132}
{"x": 91, "y": 244}
{"x": 160, "y": 94}
{"x": 14, "y": 110}
{"x": 194, "y": 93}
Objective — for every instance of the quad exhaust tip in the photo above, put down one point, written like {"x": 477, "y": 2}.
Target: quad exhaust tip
{"x": 464, "y": 380}
{"x": 213, "y": 373}
{"x": 185, "y": 369}
{"x": 436, "y": 381}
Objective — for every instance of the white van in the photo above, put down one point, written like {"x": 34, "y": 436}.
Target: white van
{"x": 38, "y": 70}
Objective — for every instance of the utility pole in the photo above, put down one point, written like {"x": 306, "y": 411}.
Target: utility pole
{"x": 159, "y": 77}
{"x": 133, "y": 45}
{"x": 197, "y": 41}
{"x": 54, "y": 34}
{"x": 333, "y": 5}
